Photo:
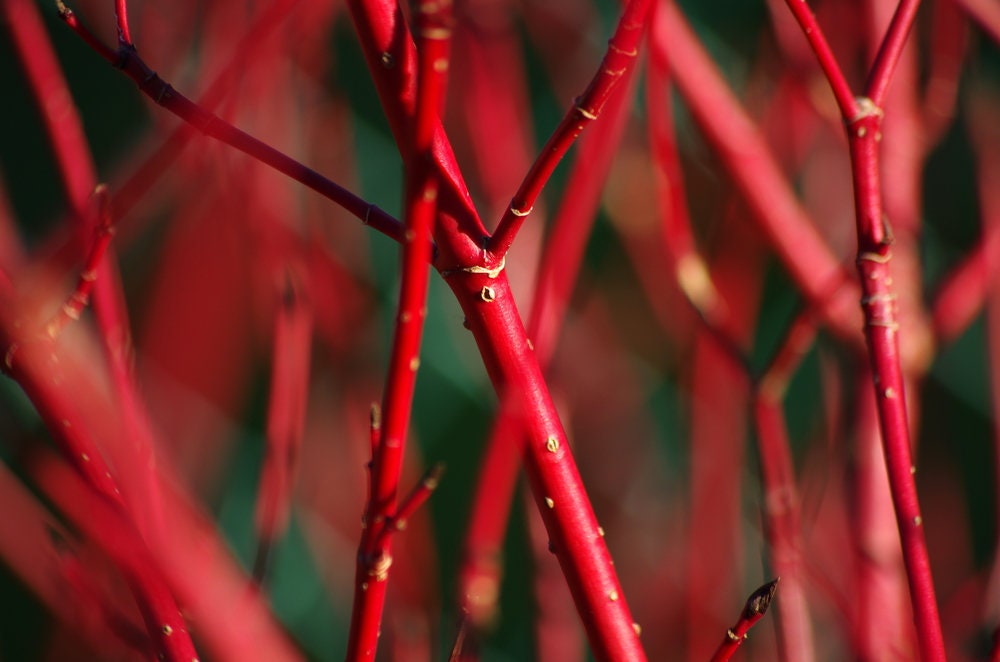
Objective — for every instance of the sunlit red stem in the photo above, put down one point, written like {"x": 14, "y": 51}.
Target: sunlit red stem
{"x": 121, "y": 19}
{"x": 127, "y": 59}
{"x": 881, "y": 330}
{"x": 392, "y": 61}
{"x": 623, "y": 51}
{"x": 575, "y": 536}
{"x": 827, "y": 61}
{"x": 375, "y": 553}
{"x": 558, "y": 270}
{"x": 484, "y": 294}
{"x": 753, "y": 611}
{"x": 889, "y": 52}
{"x": 864, "y": 131}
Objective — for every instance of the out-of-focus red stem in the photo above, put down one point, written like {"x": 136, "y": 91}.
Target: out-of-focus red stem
{"x": 105, "y": 526}
{"x": 689, "y": 267}
{"x": 986, "y": 14}
{"x": 831, "y": 68}
{"x": 753, "y": 611}
{"x": 623, "y": 51}
{"x": 433, "y": 18}
{"x": 748, "y": 161}
{"x": 960, "y": 297}
{"x": 782, "y": 511}
{"x": 127, "y": 59}
{"x": 889, "y": 52}
{"x": 285, "y": 417}
{"x": 34, "y": 544}
{"x": 949, "y": 42}
{"x": 73, "y": 308}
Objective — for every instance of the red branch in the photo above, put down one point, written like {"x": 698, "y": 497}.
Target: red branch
{"x": 864, "y": 132}
{"x": 484, "y": 293}
{"x": 285, "y": 417}
{"x": 558, "y": 270}
{"x": 623, "y": 50}
{"x": 374, "y": 556}
{"x": 743, "y": 153}
{"x": 782, "y": 509}
{"x": 127, "y": 59}
{"x": 753, "y": 611}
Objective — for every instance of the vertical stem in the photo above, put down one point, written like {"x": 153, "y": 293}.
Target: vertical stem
{"x": 881, "y": 331}
{"x": 375, "y": 556}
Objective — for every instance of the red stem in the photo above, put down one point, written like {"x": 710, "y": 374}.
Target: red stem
{"x": 37, "y": 547}
{"x": 391, "y": 57}
{"x": 986, "y": 14}
{"x": 74, "y": 306}
{"x": 484, "y": 294}
{"x": 816, "y": 272}
{"x": 412, "y": 502}
{"x": 881, "y": 331}
{"x": 889, "y": 52}
{"x": 558, "y": 269}
{"x": 374, "y": 555}
{"x": 127, "y": 59}
{"x": 782, "y": 510}
{"x": 753, "y": 611}
{"x": 576, "y": 538}
{"x": 831, "y": 68}
{"x": 289, "y": 392}
{"x": 108, "y": 528}
{"x": 623, "y": 50}
{"x": 121, "y": 20}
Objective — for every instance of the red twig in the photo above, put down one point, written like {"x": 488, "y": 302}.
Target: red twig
{"x": 106, "y": 527}
{"x": 392, "y": 62}
{"x": 285, "y": 417}
{"x": 782, "y": 510}
{"x": 623, "y": 50}
{"x": 127, "y": 59}
{"x": 412, "y": 502}
{"x": 484, "y": 293}
{"x": 558, "y": 270}
{"x": 374, "y": 556}
{"x": 77, "y": 301}
{"x": 815, "y": 270}
{"x": 881, "y": 331}
{"x": 864, "y": 131}
{"x": 573, "y": 530}
{"x": 827, "y": 61}
{"x": 753, "y": 611}
{"x": 889, "y": 51}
